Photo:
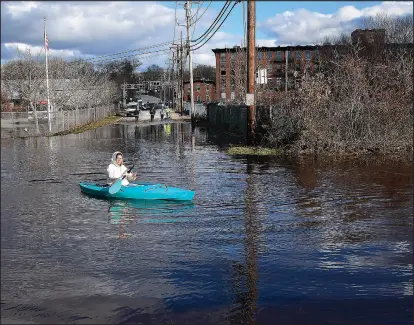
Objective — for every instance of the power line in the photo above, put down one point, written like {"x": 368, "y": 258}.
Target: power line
{"x": 193, "y": 49}
{"x": 134, "y": 50}
{"x": 203, "y": 12}
{"x": 129, "y": 56}
{"x": 226, "y": 5}
{"x": 198, "y": 9}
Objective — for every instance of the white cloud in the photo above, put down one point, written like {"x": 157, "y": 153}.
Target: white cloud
{"x": 38, "y": 50}
{"x": 306, "y": 27}
{"x": 18, "y": 9}
{"x": 91, "y": 29}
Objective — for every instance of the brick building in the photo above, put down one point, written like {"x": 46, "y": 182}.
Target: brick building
{"x": 271, "y": 66}
{"x": 204, "y": 90}
{"x": 271, "y": 62}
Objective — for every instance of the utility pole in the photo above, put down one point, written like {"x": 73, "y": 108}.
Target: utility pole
{"x": 251, "y": 48}
{"x": 182, "y": 76}
{"x": 190, "y": 59}
{"x": 123, "y": 96}
{"x": 47, "y": 75}
{"x": 171, "y": 89}
{"x": 286, "y": 70}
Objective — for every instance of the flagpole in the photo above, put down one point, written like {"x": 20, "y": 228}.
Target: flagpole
{"x": 47, "y": 76}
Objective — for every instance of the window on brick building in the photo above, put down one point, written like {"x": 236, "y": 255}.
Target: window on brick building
{"x": 222, "y": 57}
{"x": 307, "y": 55}
{"x": 207, "y": 98}
{"x": 269, "y": 67}
{"x": 279, "y": 55}
{"x": 198, "y": 98}
{"x": 297, "y": 55}
{"x": 260, "y": 55}
{"x": 198, "y": 88}
{"x": 269, "y": 55}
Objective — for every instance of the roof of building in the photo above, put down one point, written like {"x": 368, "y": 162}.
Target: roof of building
{"x": 268, "y": 48}
{"x": 206, "y": 81}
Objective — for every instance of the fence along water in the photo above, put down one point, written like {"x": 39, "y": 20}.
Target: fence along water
{"x": 23, "y": 124}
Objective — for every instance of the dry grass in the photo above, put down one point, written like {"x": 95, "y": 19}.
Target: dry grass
{"x": 90, "y": 126}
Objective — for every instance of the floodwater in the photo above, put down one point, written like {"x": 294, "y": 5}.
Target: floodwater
{"x": 264, "y": 241}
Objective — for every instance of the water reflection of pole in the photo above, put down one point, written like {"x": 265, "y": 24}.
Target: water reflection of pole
{"x": 249, "y": 270}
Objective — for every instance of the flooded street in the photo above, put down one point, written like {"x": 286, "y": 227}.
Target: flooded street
{"x": 265, "y": 240}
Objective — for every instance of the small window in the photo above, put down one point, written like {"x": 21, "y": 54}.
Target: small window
{"x": 269, "y": 55}
{"x": 207, "y": 87}
{"x": 222, "y": 56}
{"x": 297, "y": 55}
{"x": 260, "y": 55}
{"x": 198, "y": 88}
{"x": 198, "y": 98}
{"x": 207, "y": 98}
{"x": 279, "y": 55}
{"x": 307, "y": 53}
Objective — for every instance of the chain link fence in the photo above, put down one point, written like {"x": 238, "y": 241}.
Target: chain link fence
{"x": 22, "y": 124}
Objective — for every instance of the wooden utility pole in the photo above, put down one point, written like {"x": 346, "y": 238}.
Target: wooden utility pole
{"x": 286, "y": 70}
{"x": 251, "y": 49}
{"x": 190, "y": 59}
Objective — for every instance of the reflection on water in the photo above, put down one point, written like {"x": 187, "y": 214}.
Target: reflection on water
{"x": 123, "y": 213}
{"x": 265, "y": 239}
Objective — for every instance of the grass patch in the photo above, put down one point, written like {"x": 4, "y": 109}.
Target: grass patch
{"x": 254, "y": 151}
{"x": 90, "y": 126}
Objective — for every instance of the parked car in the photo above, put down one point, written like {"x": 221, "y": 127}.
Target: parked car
{"x": 132, "y": 108}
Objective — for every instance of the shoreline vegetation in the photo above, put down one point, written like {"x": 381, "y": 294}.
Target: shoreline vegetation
{"x": 357, "y": 100}
{"x": 89, "y": 126}
{"x": 259, "y": 151}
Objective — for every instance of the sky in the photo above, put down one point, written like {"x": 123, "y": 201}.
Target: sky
{"x": 90, "y": 29}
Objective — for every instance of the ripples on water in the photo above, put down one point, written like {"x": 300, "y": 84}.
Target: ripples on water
{"x": 265, "y": 240}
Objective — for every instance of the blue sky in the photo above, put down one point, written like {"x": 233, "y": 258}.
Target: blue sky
{"x": 264, "y": 9}
{"x": 93, "y": 29}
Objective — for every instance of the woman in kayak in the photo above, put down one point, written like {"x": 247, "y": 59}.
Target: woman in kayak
{"x": 117, "y": 169}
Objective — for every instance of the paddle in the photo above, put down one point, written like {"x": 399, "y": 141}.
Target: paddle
{"x": 115, "y": 187}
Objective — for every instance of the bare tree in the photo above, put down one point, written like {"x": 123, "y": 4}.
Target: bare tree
{"x": 72, "y": 84}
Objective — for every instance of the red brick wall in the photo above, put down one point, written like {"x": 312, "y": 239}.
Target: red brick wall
{"x": 202, "y": 93}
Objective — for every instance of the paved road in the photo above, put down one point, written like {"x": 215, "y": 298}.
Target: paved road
{"x": 145, "y": 115}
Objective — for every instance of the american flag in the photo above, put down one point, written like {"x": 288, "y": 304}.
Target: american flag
{"x": 46, "y": 42}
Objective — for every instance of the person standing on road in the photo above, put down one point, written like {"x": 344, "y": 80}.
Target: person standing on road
{"x": 167, "y": 113}
{"x": 162, "y": 113}
{"x": 152, "y": 112}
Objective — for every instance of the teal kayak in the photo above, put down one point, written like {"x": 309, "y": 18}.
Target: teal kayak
{"x": 139, "y": 191}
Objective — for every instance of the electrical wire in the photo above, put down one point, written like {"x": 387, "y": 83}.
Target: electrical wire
{"x": 198, "y": 9}
{"x": 203, "y": 12}
{"x": 193, "y": 49}
{"x": 214, "y": 23}
{"x": 128, "y": 56}
{"x": 134, "y": 50}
